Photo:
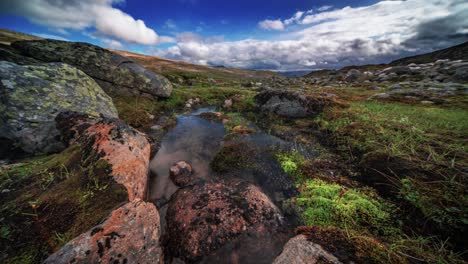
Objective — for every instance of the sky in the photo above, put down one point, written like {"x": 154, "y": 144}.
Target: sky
{"x": 281, "y": 35}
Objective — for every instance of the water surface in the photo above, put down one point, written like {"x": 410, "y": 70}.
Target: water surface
{"x": 194, "y": 140}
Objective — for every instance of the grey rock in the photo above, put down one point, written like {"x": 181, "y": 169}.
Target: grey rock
{"x": 32, "y": 96}
{"x": 292, "y": 104}
{"x": 115, "y": 73}
{"x": 353, "y": 75}
{"x": 299, "y": 250}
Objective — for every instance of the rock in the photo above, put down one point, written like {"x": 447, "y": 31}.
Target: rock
{"x": 181, "y": 173}
{"x": 124, "y": 149}
{"x": 425, "y": 102}
{"x": 299, "y": 250}
{"x": 398, "y": 70}
{"x": 156, "y": 127}
{"x": 461, "y": 74}
{"x": 380, "y": 96}
{"x": 32, "y": 96}
{"x": 203, "y": 217}
{"x": 227, "y": 103}
{"x": 243, "y": 130}
{"x": 129, "y": 235}
{"x": 110, "y": 70}
{"x": 353, "y": 75}
{"x": 294, "y": 104}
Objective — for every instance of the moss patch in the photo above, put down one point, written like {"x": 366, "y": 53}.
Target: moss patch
{"x": 327, "y": 204}
{"x": 53, "y": 199}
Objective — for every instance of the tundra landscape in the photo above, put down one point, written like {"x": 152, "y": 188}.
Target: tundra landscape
{"x": 202, "y": 131}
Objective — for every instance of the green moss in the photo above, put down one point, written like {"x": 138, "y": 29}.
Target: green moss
{"x": 326, "y": 204}
{"x": 291, "y": 163}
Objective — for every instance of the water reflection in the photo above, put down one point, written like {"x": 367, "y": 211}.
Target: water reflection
{"x": 194, "y": 140}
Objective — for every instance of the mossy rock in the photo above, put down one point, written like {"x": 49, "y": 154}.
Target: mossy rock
{"x": 112, "y": 71}
{"x": 32, "y": 96}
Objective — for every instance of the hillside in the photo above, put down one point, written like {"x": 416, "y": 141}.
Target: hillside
{"x": 8, "y": 36}
{"x": 172, "y": 68}
{"x": 459, "y": 52}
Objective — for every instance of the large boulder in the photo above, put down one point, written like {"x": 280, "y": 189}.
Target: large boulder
{"x": 123, "y": 148}
{"x": 293, "y": 104}
{"x": 32, "y": 96}
{"x": 129, "y": 235}
{"x": 115, "y": 73}
{"x": 204, "y": 217}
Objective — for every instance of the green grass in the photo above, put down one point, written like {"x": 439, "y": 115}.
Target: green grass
{"x": 430, "y": 133}
{"x": 327, "y": 204}
{"x": 430, "y": 138}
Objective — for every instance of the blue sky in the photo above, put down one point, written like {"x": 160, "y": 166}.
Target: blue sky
{"x": 260, "y": 34}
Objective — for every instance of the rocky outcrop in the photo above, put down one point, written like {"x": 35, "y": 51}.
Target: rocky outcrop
{"x": 115, "y": 73}
{"x": 32, "y": 96}
{"x": 129, "y": 235}
{"x": 126, "y": 150}
{"x": 423, "y": 92}
{"x": 299, "y": 250}
{"x": 293, "y": 104}
{"x": 203, "y": 217}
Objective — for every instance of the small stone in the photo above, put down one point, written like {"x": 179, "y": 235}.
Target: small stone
{"x": 181, "y": 173}
{"x": 156, "y": 127}
{"x": 227, "y": 103}
{"x": 425, "y": 102}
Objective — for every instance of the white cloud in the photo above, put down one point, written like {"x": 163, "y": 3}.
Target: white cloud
{"x": 324, "y": 8}
{"x": 82, "y": 14}
{"x": 271, "y": 24}
{"x": 336, "y": 38}
{"x": 296, "y": 17}
{"x": 113, "y": 44}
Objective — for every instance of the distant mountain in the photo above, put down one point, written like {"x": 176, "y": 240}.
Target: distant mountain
{"x": 293, "y": 73}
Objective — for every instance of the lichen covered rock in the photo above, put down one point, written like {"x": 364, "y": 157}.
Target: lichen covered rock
{"x": 115, "y": 73}
{"x": 203, "y": 217}
{"x": 32, "y": 96}
{"x": 126, "y": 150}
{"x": 129, "y": 235}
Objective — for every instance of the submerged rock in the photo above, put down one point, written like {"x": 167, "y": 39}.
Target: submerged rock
{"x": 124, "y": 149}
{"x": 129, "y": 235}
{"x": 181, "y": 173}
{"x": 294, "y": 104}
{"x": 32, "y": 96}
{"x": 110, "y": 70}
{"x": 204, "y": 217}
